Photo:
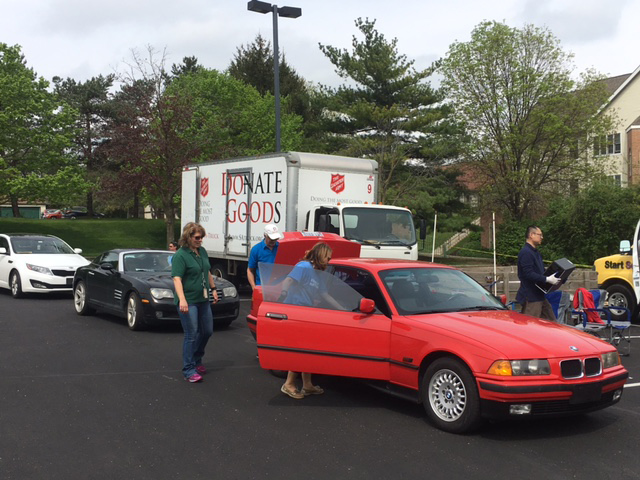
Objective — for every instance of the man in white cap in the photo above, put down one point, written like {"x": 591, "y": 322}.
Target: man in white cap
{"x": 263, "y": 252}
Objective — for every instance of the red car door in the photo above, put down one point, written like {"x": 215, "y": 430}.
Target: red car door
{"x": 323, "y": 339}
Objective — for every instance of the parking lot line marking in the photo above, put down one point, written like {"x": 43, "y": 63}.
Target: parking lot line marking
{"x": 632, "y": 385}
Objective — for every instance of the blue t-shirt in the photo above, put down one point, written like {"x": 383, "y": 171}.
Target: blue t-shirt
{"x": 309, "y": 285}
{"x": 260, "y": 253}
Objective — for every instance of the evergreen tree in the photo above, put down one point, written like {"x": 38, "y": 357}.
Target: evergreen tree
{"x": 389, "y": 112}
{"x": 253, "y": 65}
{"x": 189, "y": 65}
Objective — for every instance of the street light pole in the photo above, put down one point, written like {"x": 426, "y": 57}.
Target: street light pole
{"x": 276, "y": 75}
{"x": 288, "y": 12}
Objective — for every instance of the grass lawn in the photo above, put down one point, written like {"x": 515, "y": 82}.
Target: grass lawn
{"x": 94, "y": 236}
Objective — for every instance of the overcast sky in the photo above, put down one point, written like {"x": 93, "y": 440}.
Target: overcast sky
{"x": 85, "y": 38}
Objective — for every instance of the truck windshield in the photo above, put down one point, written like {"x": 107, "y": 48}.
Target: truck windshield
{"x": 380, "y": 226}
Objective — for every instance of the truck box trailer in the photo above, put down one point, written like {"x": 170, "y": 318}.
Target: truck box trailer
{"x": 234, "y": 199}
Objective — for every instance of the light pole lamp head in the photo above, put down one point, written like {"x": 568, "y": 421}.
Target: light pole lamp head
{"x": 259, "y": 7}
{"x": 289, "y": 12}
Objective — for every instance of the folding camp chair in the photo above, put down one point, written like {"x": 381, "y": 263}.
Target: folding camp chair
{"x": 598, "y": 321}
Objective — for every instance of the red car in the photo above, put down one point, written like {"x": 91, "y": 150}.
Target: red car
{"x": 432, "y": 334}
{"x": 52, "y": 213}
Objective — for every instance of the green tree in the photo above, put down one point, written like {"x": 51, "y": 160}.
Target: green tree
{"x": 253, "y": 65}
{"x": 582, "y": 228}
{"x": 189, "y": 65}
{"x": 163, "y": 123}
{"x": 436, "y": 190}
{"x": 591, "y": 223}
{"x": 529, "y": 122}
{"x": 92, "y": 101}
{"x": 231, "y": 118}
{"x": 389, "y": 112}
{"x": 36, "y": 129}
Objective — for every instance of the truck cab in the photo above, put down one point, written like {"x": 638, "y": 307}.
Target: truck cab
{"x": 619, "y": 275}
{"x": 383, "y": 231}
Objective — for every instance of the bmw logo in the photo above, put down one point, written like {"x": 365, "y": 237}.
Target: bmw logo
{"x": 575, "y": 349}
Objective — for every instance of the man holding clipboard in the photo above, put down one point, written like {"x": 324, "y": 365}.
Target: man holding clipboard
{"x": 530, "y": 272}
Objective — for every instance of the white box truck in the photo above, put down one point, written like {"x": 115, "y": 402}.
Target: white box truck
{"x": 234, "y": 199}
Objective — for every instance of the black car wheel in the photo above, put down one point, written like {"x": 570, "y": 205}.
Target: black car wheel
{"x": 450, "y": 396}
{"x": 80, "y": 299}
{"x": 620, "y": 296}
{"x": 134, "y": 312}
{"x": 16, "y": 285}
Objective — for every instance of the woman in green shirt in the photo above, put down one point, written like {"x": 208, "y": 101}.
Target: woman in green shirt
{"x": 192, "y": 278}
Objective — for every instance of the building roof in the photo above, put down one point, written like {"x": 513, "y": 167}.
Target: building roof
{"x": 613, "y": 83}
{"x": 616, "y": 85}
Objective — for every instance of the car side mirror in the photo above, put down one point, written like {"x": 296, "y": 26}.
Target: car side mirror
{"x": 3, "y": 251}
{"x": 367, "y": 305}
{"x": 77, "y": 250}
{"x": 106, "y": 266}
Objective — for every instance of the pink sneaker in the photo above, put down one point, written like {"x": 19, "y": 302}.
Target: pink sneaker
{"x": 201, "y": 369}
{"x": 194, "y": 378}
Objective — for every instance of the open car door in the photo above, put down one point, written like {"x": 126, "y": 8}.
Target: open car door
{"x": 340, "y": 334}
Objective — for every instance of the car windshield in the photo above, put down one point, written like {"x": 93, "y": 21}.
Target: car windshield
{"x": 37, "y": 244}
{"x": 432, "y": 290}
{"x": 379, "y": 226}
{"x": 147, "y": 261}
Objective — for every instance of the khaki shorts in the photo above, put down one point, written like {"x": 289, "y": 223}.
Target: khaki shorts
{"x": 541, "y": 309}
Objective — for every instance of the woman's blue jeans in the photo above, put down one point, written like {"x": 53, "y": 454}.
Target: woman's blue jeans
{"x": 198, "y": 327}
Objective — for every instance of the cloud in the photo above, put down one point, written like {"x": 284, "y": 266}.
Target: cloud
{"x": 576, "y": 21}
{"x": 78, "y": 18}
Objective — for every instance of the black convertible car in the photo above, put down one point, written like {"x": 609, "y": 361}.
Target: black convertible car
{"x": 137, "y": 285}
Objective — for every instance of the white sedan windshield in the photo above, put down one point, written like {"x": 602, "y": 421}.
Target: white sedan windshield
{"x": 35, "y": 244}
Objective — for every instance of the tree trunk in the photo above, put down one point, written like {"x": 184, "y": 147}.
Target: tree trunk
{"x": 135, "y": 211}
{"x": 169, "y": 220}
{"x": 90, "y": 204}
{"x": 14, "y": 206}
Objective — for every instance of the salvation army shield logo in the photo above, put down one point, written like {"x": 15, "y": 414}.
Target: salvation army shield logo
{"x": 204, "y": 187}
{"x": 337, "y": 182}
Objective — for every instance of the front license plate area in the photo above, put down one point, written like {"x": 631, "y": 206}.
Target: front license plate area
{"x": 586, "y": 394}
{"x": 69, "y": 281}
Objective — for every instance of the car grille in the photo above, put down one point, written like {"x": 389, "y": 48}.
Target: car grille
{"x": 565, "y": 406}
{"x": 219, "y": 290}
{"x": 577, "y": 368}
{"x": 63, "y": 273}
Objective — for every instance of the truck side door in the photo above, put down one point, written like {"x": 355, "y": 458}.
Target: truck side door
{"x": 238, "y": 212}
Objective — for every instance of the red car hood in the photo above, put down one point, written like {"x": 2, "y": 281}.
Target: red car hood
{"x": 514, "y": 335}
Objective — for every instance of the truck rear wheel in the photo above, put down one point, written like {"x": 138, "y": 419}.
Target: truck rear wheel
{"x": 620, "y": 296}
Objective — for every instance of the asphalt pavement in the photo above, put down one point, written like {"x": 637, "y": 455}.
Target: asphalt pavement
{"x": 85, "y": 398}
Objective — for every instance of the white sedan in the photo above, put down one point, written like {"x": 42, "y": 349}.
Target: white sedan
{"x": 37, "y": 263}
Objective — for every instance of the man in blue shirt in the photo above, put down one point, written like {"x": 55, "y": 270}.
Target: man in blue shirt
{"x": 530, "y": 272}
{"x": 263, "y": 252}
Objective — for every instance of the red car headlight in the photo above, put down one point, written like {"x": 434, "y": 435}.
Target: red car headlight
{"x": 520, "y": 367}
